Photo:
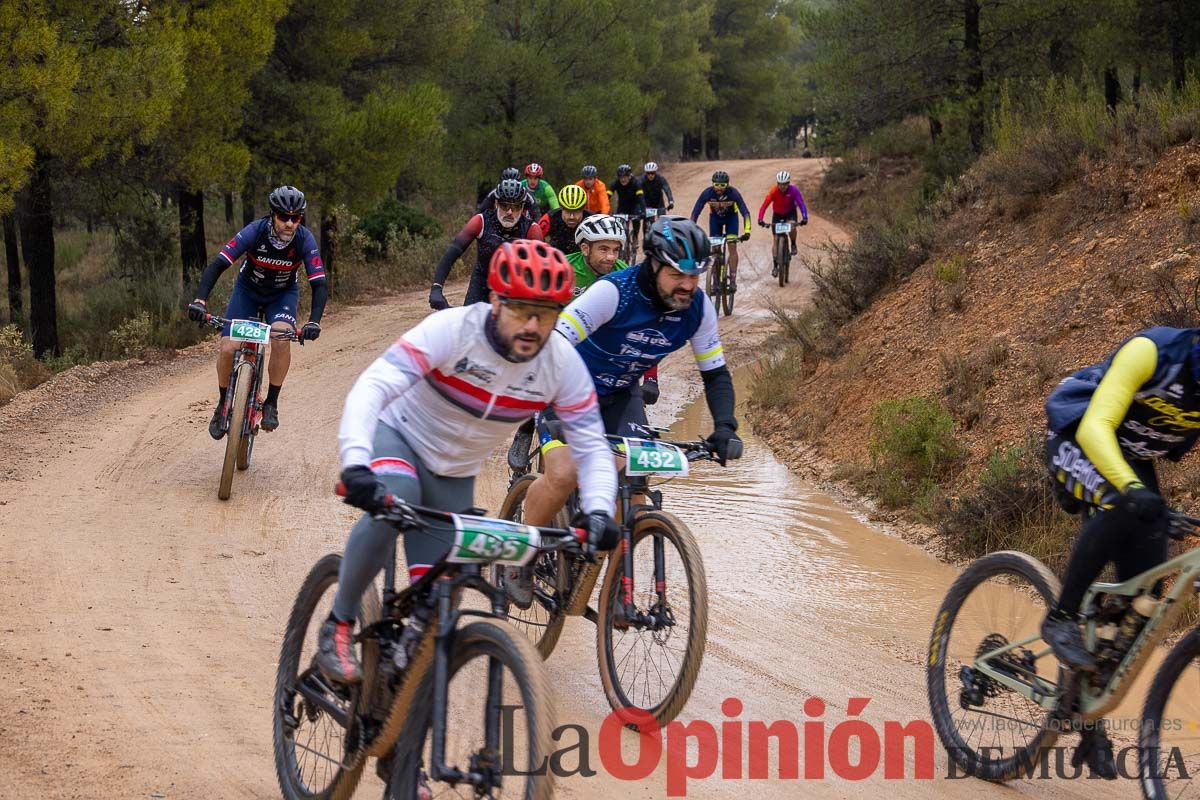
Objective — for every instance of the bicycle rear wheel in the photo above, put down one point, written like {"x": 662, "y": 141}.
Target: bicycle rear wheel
{"x": 654, "y": 667}
{"x": 988, "y": 729}
{"x": 243, "y": 380}
{"x": 1168, "y": 742}
{"x": 483, "y": 651}
{"x": 318, "y": 743}
{"x": 543, "y": 621}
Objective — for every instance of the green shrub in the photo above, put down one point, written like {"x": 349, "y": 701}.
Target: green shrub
{"x": 913, "y": 437}
{"x": 848, "y": 277}
{"x": 1011, "y": 506}
{"x": 391, "y": 219}
{"x": 133, "y": 336}
{"x": 777, "y": 379}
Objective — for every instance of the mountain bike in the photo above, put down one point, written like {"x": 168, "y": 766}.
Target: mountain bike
{"x": 412, "y": 646}
{"x": 782, "y": 251}
{"x": 630, "y": 248}
{"x": 242, "y": 411}
{"x": 999, "y": 698}
{"x": 717, "y": 280}
{"x": 652, "y": 616}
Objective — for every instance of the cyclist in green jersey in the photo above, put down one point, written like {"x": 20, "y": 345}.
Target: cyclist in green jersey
{"x": 600, "y": 238}
{"x": 542, "y": 191}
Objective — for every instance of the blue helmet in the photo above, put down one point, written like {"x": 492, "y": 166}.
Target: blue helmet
{"x": 678, "y": 242}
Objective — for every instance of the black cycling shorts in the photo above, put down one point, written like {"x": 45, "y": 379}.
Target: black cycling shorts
{"x": 623, "y": 413}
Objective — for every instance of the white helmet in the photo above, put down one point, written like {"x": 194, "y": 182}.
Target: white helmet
{"x": 600, "y": 228}
{"x": 651, "y": 166}
{"x": 783, "y": 176}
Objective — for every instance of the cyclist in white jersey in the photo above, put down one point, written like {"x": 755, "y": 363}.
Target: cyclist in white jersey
{"x": 422, "y": 418}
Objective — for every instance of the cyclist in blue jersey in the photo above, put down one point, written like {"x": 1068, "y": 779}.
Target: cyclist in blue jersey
{"x": 723, "y": 217}
{"x": 275, "y": 247}
{"x": 625, "y": 324}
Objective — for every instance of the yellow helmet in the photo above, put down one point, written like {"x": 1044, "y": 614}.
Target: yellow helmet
{"x": 572, "y": 197}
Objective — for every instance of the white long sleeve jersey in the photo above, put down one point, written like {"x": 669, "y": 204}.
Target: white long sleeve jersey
{"x": 455, "y": 399}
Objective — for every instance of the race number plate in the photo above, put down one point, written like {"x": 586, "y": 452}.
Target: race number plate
{"x": 716, "y": 241}
{"x": 622, "y": 217}
{"x": 481, "y": 539}
{"x": 245, "y": 330}
{"x": 783, "y": 227}
{"x": 651, "y": 213}
{"x": 650, "y": 457}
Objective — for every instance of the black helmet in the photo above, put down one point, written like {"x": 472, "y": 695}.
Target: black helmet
{"x": 510, "y": 190}
{"x": 624, "y": 169}
{"x": 679, "y": 242}
{"x": 287, "y": 200}
{"x": 720, "y": 176}
{"x": 588, "y": 172}
{"x": 510, "y": 174}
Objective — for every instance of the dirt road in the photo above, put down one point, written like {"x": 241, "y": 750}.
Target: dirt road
{"x": 143, "y": 616}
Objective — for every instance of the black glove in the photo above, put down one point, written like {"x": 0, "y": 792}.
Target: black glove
{"x": 649, "y": 391}
{"x": 745, "y": 237}
{"x": 437, "y": 300}
{"x": 762, "y": 224}
{"x": 310, "y": 331}
{"x": 197, "y": 310}
{"x": 670, "y": 205}
{"x": 602, "y": 533}
{"x": 363, "y": 489}
{"x": 804, "y": 221}
{"x": 1145, "y": 504}
{"x": 726, "y": 444}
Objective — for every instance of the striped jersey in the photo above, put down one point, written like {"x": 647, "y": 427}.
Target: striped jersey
{"x": 455, "y": 399}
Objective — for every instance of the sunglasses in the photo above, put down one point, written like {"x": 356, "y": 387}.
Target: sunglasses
{"x": 720, "y": 185}
{"x": 512, "y": 208}
{"x": 289, "y": 217}
{"x": 527, "y": 311}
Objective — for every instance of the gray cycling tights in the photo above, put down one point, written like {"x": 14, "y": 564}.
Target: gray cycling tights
{"x": 372, "y": 543}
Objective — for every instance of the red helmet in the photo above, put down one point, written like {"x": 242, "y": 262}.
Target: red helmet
{"x": 534, "y": 170}
{"x": 525, "y": 269}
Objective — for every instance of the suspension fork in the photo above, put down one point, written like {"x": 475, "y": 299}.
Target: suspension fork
{"x": 443, "y": 646}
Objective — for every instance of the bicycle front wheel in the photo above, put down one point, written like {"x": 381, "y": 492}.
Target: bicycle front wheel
{"x": 243, "y": 381}
{"x": 781, "y": 259}
{"x": 319, "y": 750}
{"x": 1169, "y": 743}
{"x": 495, "y": 676}
{"x": 651, "y": 663}
{"x": 989, "y": 729}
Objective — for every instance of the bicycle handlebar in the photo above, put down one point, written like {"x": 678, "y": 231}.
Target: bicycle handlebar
{"x": 409, "y": 515}
{"x": 216, "y": 323}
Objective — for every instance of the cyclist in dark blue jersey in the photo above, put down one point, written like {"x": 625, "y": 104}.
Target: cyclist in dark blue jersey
{"x": 724, "y": 202}
{"x": 275, "y": 247}
{"x": 622, "y": 326}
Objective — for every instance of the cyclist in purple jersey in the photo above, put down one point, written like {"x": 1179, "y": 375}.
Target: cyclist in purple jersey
{"x": 275, "y": 247}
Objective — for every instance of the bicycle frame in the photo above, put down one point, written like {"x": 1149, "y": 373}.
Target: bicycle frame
{"x": 1096, "y": 702}
{"x": 437, "y": 591}
{"x": 578, "y": 594}
{"x": 255, "y": 354}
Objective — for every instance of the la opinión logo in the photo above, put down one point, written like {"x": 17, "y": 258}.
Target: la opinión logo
{"x": 853, "y": 749}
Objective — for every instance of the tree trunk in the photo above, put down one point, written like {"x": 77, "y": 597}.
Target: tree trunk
{"x": 712, "y": 134}
{"x": 1136, "y": 86}
{"x": 247, "y": 201}
{"x": 16, "y": 306}
{"x": 193, "y": 252}
{"x": 1178, "y": 56}
{"x": 935, "y": 129}
{"x": 974, "y": 74}
{"x": 229, "y": 209}
{"x": 1112, "y": 89}
{"x": 37, "y": 245}
{"x": 328, "y": 246}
